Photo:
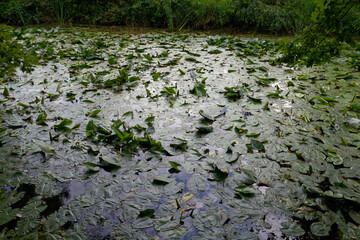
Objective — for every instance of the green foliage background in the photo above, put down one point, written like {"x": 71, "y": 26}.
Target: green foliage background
{"x": 12, "y": 54}
{"x": 265, "y": 16}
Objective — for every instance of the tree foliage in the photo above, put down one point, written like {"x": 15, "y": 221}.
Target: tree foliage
{"x": 12, "y": 54}
{"x": 323, "y": 39}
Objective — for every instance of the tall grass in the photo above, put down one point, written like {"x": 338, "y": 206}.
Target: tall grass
{"x": 59, "y": 11}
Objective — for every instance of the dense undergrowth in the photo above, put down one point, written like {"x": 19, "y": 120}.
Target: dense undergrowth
{"x": 266, "y": 16}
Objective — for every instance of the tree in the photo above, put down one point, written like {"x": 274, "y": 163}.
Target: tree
{"x": 323, "y": 39}
{"x": 12, "y": 54}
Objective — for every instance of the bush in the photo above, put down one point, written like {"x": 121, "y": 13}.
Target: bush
{"x": 273, "y": 16}
{"x": 18, "y": 12}
{"x": 12, "y": 54}
{"x": 265, "y": 16}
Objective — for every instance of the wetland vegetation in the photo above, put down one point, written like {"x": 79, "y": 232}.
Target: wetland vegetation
{"x": 177, "y": 135}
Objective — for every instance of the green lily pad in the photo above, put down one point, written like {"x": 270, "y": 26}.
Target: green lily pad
{"x": 147, "y": 213}
{"x": 218, "y": 174}
{"x": 92, "y": 166}
{"x": 161, "y": 180}
{"x": 320, "y": 229}
{"x": 95, "y": 113}
{"x": 292, "y": 229}
{"x": 45, "y": 147}
{"x": 111, "y": 160}
{"x": 175, "y": 165}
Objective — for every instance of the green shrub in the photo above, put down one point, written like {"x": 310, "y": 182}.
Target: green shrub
{"x": 12, "y": 54}
{"x": 265, "y": 16}
{"x": 17, "y": 12}
{"x": 138, "y": 13}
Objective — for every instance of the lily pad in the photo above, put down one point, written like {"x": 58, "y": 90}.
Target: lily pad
{"x": 292, "y": 229}
{"x": 45, "y": 147}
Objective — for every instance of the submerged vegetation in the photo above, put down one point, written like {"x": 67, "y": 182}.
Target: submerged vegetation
{"x": 176, "y": 136}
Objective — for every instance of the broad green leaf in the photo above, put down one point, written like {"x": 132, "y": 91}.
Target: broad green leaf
{"x": 23, "y": 105}
{"x": 92, "y": 166}
{"x": 254, "y": 135}
{"x": 204, "y": 130}
{"x": 166, "y": 223}
{"x": 199, "y": 90}
{"x": 6, "y": 92}
{"x": 41, "y": 118}
{"x": 320, "y": 229}
{"x": 175, "y": 165}
{"x": 7, "y": 214}
{"x": 91, "y": 129}
{"x": 206, "y": 116}
{"x": 258, "y": 145}
{"x": 292, "y": 229}
{"x": 94, "y": 113}
{"x": 244, "y": 191}
{"x": 112, "y": 160}
{"x": 255, "y": 100}
{"x": 45, "y": 147}
{"x": 218, "y": 174}
{"x": 62, "y": 126}
{"x": 156, "y": 76}
{"x": 147, "y": 213}
{"x": 161, "y": 180}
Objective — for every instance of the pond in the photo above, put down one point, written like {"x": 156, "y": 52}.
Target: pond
{"x": 166, "y": 136}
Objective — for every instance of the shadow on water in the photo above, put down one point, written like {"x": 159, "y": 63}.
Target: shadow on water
{"x": 69, "y": 191}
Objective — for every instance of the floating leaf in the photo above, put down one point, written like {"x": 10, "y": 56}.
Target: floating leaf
{"x": 45, "y": 147}
{"x": 6, "y": 92}
{"x": 7, "y": 214}
{"x": 130, "y": 113}
{"x": 177, "y": 233}
{"x": 91, "y": 129}
{"x": 92, "y": 166}
{"x": 254, "y": 135}
{"x": 206, "y": 116}
{"x": 62, "y": 126}
{"x": 175, "y": 165}
{"x": 40, "y": 120}
{"x": 166, "y": 223}
{"x": 354, "y": 107}
{"x": 23, "y": 105}
{"x": 254, "y": 100}
{"x": 216, "y": 51}
{"x": 204, "y": 130}
{"x": 240, "y": 131}
{"x": 258, "y": 145}
{"x": 111, "y": 160}
{"x": 244, "y": 191}
{"x": 218, "y": 174}
{"x": 191, "y": 59}
{"x": 95, "y": 113}
{"x": 199, "y": 90}
{"x": 292, "y": 229}
{"x": 181, "y": 72}
{"x": 147, "y": 213}
{"x": 144, "y": 222}
{"x": 235, "y": 93}
{"x": 156, "y": 76}
{"x": 320, "y": 229}
{"x": 160, "y": 180}
{"x": 111, "y": 61}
